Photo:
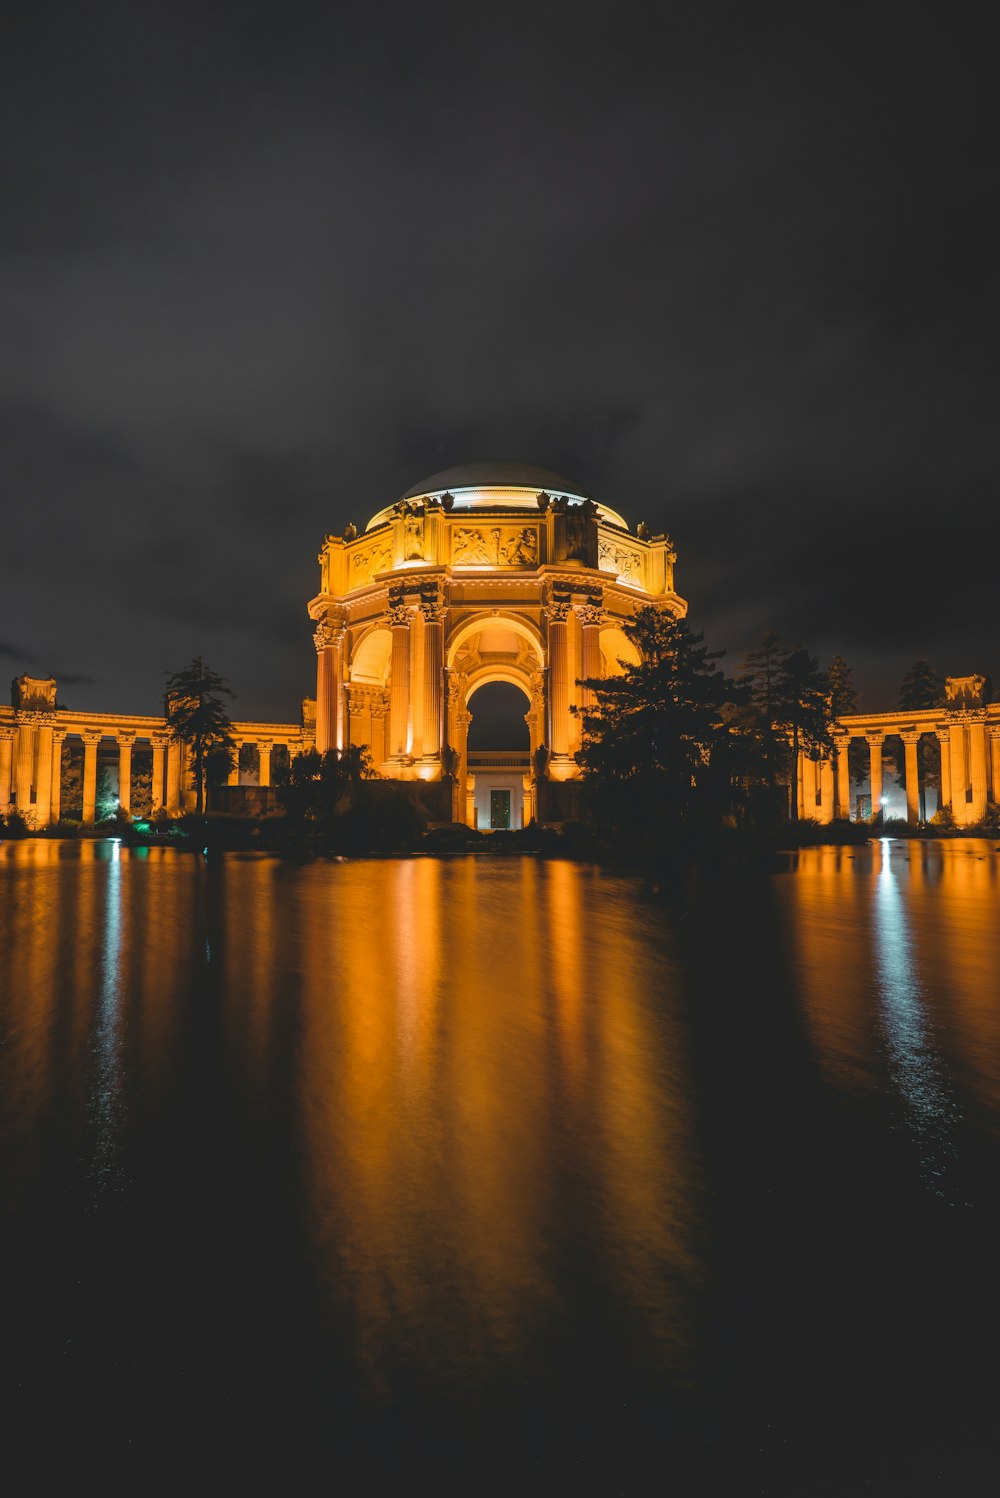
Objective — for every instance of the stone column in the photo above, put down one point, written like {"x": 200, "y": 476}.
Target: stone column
{"x": 559, "y": 727}
{"x": 234, "y": 774}
{"x": 591, "y": 616}
{"x": 328, "y": 637}
{"x": 528, "y": 782}
{"x": 183, "y": 774}
{"x": 264, "y": 751}
{"x": 958, "y": 755}
{"x": 43, "y": 776}
{"x": 842, "y": 742}
{"x": 824, "y": 771}
{"x": 7, "y": 736}
{"x": 172, "y": 803}
{"x": 55, "y": 797}
{"x": 977, "y": 769}
{"x": 875, "y": 742}
{"x": 912, "y": 775}
{"x": 944, "y": 739}
{"x": 126, "y": 738}
{"x": 24, "y": 763}
{"x": 399, "y": 681}
{"x": 433, "y": 669}
{"x": 380, "y": 715}
{"x": 159, "y": 743}
{"x": 994, "y": 736}
{"x": 91, "y": 739}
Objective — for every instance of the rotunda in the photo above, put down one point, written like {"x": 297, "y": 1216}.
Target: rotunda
{"x": 485, "y": 573}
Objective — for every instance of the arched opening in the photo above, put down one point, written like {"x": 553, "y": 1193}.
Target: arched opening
{"x": 498, "y": 754}
{"x": 498, "y": 709}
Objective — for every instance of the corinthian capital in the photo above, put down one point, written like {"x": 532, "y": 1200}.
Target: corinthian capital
{"x": 591, "y": 611}
{"x": 329, "y": 628}
{"x": 557, "y": 608}
{"x": 431, "y": 604}
{"x": 400, "y": 612}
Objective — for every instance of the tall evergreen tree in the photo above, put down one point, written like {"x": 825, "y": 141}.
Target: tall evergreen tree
{"x": 803, "y": 707}
{"x": 657, "y": 739}
{"x": 196, "y": 716}
{"x": 760, "y": 679}
{"x": 921, "y": 687}
{"x": 843, "y": 693}
{"x": 843, "y": 700}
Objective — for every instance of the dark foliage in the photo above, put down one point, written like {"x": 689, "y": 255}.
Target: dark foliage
{"x": 195, "y": 715}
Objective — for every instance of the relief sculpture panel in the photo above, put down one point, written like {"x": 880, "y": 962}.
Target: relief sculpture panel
{"x": 366, "y": 564}
{"x": 494, "y": 546}
{"x": 612, "y": 557}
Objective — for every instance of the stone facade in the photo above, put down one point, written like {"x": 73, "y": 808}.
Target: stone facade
{"x": 35, "y": 734}
{"x": 968, "y": 730}
{"x": 475, "y": 578}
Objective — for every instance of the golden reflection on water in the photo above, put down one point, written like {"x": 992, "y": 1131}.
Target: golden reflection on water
{"x": 474, "y": 1069}
{"x": 89, "y": 992}
{"x": 897, "y": 949}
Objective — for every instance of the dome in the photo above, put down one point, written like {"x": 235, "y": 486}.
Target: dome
{"x": 500, "y": 485}
{"x": 498, "y": 475}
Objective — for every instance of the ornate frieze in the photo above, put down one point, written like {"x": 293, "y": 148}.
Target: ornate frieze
{"x": 368, "y": 561}
{"x": 494, "y": 546}
{"x": 626, "y": 562}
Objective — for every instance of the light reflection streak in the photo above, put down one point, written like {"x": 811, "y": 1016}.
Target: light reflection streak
{"x": 105, "y": 1104}
{"x": 930, "y": 1112}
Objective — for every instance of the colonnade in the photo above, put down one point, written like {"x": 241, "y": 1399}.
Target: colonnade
{"x": 31, "y": 761}
{"x": 969, "y": 741}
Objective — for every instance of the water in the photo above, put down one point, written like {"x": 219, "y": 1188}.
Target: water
{"x": 500, "y": 1175}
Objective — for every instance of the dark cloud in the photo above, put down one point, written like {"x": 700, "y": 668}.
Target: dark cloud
{"x": 262, "y": 269}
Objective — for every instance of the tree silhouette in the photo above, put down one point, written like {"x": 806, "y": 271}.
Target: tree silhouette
{"x": 658, "y": 739}
{"x": 922, "y": 688}
{"x": 195, "y": 715}
{"x": 790, "y": 708}
{"x": 804, "y": 711}
{"x": 843, "y": 700}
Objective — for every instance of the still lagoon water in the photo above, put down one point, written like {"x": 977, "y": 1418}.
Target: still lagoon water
{"x": 501, "y": 1175}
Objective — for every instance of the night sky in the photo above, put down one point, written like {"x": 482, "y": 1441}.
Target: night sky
{"x": 264, "y": 267}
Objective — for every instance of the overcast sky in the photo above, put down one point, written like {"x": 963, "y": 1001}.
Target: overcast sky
{"x": 262, "y": 268}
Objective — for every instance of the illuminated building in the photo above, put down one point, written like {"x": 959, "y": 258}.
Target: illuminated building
{"x": 492, "y": 572}
{"x": 484, "y": 573}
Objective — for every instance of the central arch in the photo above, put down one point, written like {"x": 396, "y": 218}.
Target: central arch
{"x": 498, "y": 745}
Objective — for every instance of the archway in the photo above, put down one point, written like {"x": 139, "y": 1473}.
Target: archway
{"x": 498, "y": 752}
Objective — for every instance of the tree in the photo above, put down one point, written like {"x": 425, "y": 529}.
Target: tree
{"x": 314, "y": 788}
{"x": 844, "y": 700}
{"x": 922, "y": 688}
{"x": 760, "y": 679}
{"x": 803, "y": 708}
{"x": 196, "y": 716}
{"x": 843, "y": 693}
{"x": 790, "y": 708}
{"x": 656, "y": 740}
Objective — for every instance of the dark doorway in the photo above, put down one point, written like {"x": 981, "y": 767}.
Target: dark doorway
{"x": 499, "y": 811}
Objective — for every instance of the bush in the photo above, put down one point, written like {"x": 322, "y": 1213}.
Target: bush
{"x": 14, "y": 825}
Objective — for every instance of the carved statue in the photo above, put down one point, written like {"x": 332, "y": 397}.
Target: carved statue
{"x": 413, "y": 537}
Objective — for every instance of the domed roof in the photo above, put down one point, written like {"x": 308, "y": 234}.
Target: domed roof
{"x": 498, "y": 475}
